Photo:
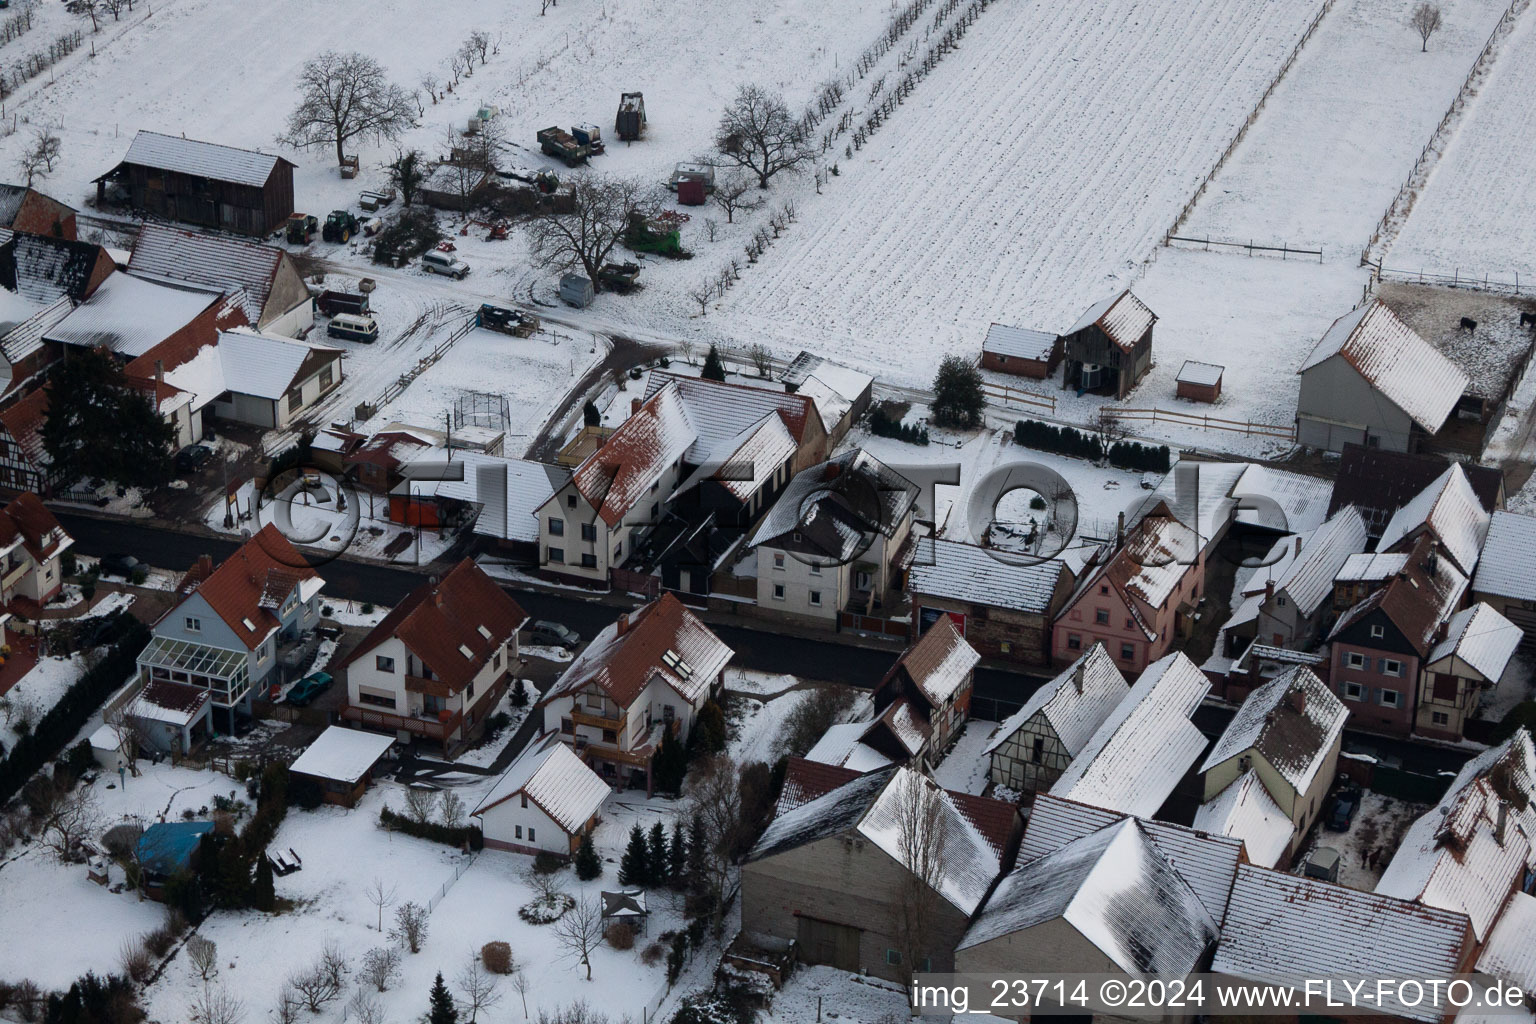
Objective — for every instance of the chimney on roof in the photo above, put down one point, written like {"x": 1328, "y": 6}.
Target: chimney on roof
{"x": 1298, "y": 545}
{"x": 1297, "y": 699}
{"x": 1503, "y": 822}
{"x": 1269, "y": 589}
{"x": 623, "y": 624}
{"x": 1441, "y": 630}
{"x": 634, "y": 405}
{"x": 1077, "y": 679}
{"x": 1120, "y": 529}
{"x": 159, "y": 372}
{"x": 205, "y": 565}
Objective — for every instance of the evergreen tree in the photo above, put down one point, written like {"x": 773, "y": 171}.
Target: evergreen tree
{"x": 234, "y": 883}
{"x": 656, "y": 855}
{"x": 407, "y": 173}
{"x": 677, "y": 856}
{"x": 105, "y": 426}
{"x": 714, "y": 369}
{"x": 441, "y": 1009}
{"x": 698, "y": 901}
{"x": 708, "y": 734}
{"x": 519, "y": 694}
{"x": 263, "y": 893}
{"x": 633, "y": 866}
{"x": 588, "y": 865}
{"x": 958, "y": 400}
{"x": 590, "y": 416}
{"x": 670, "y": 765}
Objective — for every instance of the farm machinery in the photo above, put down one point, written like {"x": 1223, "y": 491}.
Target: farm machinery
{"x": 574, "y": 146}
{"x": 659, "y": 235}
{"x": 301, "y": 228}
{"x": 340, "y": 226}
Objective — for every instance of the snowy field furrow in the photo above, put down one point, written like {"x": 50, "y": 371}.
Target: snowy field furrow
{"x": 1031, "y": 173}
{"x": 1326, "y": 156}
{"x": 1477, "y": 214}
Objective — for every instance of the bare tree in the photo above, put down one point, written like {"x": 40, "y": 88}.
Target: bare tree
{"x": 480, "y": 42}
{"x": 762, "y": 361}
{"x": 90, "y": 10}
{"x": 544, "y": 6}
{"x": 1426, "y": 21}
{"x": 381, "y": 896}
{"x": 702, "y": 294}
{"x": 809, "y": 720}
{"x": 920, "y": 847}
{"x": 758, "y": 132}
{"x": 381, "y": 966}
{"x": 334, "y": 964}
{"x": 711, "y": 228}
{"x": 477, "y": 986}
{"x": 1111, "y": 428}
{"x": 365, "y": 1008}
{"x": 344, "y": 96}
{"x": 420, "y": 803}
{"x": 68, "y": 817}
{"x": 216, "y": 1006}
{"x": 289, "y": 1003}
{"x": 114, "y": 7}
{"x": 519, "y": 981}
{"x": 204, "y": 953}
{"x": 599, "y": 211}
{"x": 733, "y": 194}
{"x": 410, "y": 926}
{"x": 714, "y": 795}
{"x": 453, "y": 810}
{"x": 31, "y": 166}
{"x": 547, "y": 888}
{"x": 314, "y": 988}
{"x": 686, "y": 350}
{"x": 431, "y": 85}
{"x": 579, "y": 930}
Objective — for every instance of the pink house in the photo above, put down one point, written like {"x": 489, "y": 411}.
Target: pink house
{"x": 1138, "y": 602}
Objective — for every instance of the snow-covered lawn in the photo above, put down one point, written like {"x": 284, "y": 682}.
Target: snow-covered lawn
{"x": 1327, "y": 154}
{"x": 37, "y": 692}
{"x": 1026, "y": 178}
{"x": 1476, "y": 214}
{"x": 758, "y": 684}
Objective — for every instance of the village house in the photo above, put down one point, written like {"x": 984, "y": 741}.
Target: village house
{"x": 23, "y": 356}
{"x": 272, "y": 292}
{"x": 1475, "y": 847}
{"x": 1379, "y": 647}
{"x": 437, "y": 665}
{"x": 805, "y": 780}
{"x": 1506, "y": 955}
{"x": 1506, "y": 570}
{"x": 23, "y": 208}
{"x": 1372, "y": 380}
{"x": 1446, "y": 510}
{"x": 1033, "y": 746}
{"x": 230, "y": 624}
{"x": 841, "y": 393}
{"x": 162, "y": 717}
{"x": 1004, "y": 610}
{"x": 1281, "y": 928}
{"x": 832, "y": 874}
{"x": 501, "y": 496}
{"x": 203, "y": 183}
{"x": 617, "y": 496}
{"x": 1463, "y": 670}
{"x": 340, "y": 763}
{"x": 924, "y": 700}
{"x": 643, "y": 677}
{"x": 545, "y": 802}
{"x": 24, "y": 463}
{"x": 1268, "y": 775}
{"x": 1109, "y": 349}
{"x": 32, "y": 547}
{"x": 1020, "y": 351}
{"x": 1379, "y": 482}
{"x": 44, "y": 269}
{"x": 834, "y": 542}
{"x": 1133, "y": 762}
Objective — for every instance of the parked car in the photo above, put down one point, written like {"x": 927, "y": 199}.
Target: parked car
{"x": 435, "y": 262}
{"x": 192, "y": 457}
{"x": 120, "y": 565}
{"x": 354, "y": 327}
{"x": 544, "y": 633}
{"x": 1341, "y": 811}
{"x": 307, "y": 689}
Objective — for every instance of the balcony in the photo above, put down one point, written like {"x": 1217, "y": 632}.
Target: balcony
{"x": 14, "y": 574}
{"x": 597, "y": 721}
{"x": 430, "y": 687}
{"x": 436, "y": 728}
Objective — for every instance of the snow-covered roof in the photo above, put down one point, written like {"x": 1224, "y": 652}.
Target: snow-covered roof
{"x": 1407, "y": 370}
{"x": 265, "y": 365}
{"x": 1480, "y": 637}
{"x": 1453, "y": 856}
{"x": 1075, "y": 703}
{"x": 1019, "y": 342}
{"x": 1246, "y": 811}
{"x": 1205, "y": 860}
{"x": 1510, "y": 952}
{"x": 1204, "y": 374}
{"x": 940, "y": 663}
{"x": 508, "y": 491}
{"x": 901, "y": 720}
{"x": 840, "y": 745}
{"x": 1301, "y": 498}
{"x": 1507, "y": 566}
{"x": 834, "y": 389}
{"x": 342, "y": 755}
{"x": 717, "y": 412}
{"x": 48, "y": 268}
{"x": 1417, "y": 600}
{"x": 745, "y": 462}
{"x": 1448, "y": 508}
{"x": 1136, "y": 758}
{"x": 1371, "y": 568}
{"x": 129, "y": 316}
{"x": 1123, "y": 318}
{"x": 1307, "y": 574}
{"x": 1198, "y": 495}
{"x": 856, "y": 493}
{"x": 27, "y": 337}
{"x": 1281, "y": 928}
{"x": 1116, "y": 889}
{"x": 202, "y": 159}
{"x": 1292, "y": 722}
{"x": 965, "y": 572}
{"x": 220, "y": 262}
{"x": 177, "y": 704}
{"x": 555, "y": 779}
{"x": 874, "y": 805}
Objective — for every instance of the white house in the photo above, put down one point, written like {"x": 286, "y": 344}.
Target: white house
{"x": 32, "y": 543}
{"x": 546, "y": 801}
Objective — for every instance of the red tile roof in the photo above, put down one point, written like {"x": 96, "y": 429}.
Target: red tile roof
{"x": 996, "y": 820}
{"x": 235, "y": 590}
{"x": 38, "y": 528}
{"x": 804, "y": 781}
{"x": 24, "y": 422}
{"x": 438, "y": 622}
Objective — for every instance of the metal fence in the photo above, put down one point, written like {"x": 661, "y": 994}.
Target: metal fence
{"x": 458, "y": 873}
{"x": 1457, "y": 278}
{"x": 400, "y": 383}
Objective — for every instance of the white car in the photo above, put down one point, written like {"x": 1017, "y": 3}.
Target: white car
{"x": 438, "y": 262}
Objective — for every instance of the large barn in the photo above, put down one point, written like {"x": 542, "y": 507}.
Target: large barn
{"x": 1109, "y": 349}
{"x": 203, "y": 183}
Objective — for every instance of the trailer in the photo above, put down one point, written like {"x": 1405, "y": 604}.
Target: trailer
{"x": 704, "y": 173}
{"x": 619, "y": 277}
{"x": 562, "y": 145}
{"x": 576, "y": 290}
{"x": 506, "y": 321}
{"x": 329, "y": 303}
{"x": 372, "y": 199}
{"x": 629, "y": 123}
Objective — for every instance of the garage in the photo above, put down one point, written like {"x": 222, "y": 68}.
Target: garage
{"x": 1327, "y": 434}
{"x": 823, "y": 942}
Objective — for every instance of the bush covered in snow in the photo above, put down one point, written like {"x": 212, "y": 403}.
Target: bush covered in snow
{"x": 547, "y": 909}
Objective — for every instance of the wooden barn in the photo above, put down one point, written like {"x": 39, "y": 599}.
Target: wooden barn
{"x": 26, "y": 209}
{"x": 1020, "y": 351}
{"x": 203, "y": 183}
{"x": 1109, "y": 349}
{"x": 1199, "y": 382}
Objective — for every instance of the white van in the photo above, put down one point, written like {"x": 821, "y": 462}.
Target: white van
{"x": 354, "y": 327}
{"x": 435, "y": 261}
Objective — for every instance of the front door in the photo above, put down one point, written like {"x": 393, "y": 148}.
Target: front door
{"x": 822, "y": 942}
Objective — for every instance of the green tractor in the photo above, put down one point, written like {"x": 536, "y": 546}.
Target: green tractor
{"x": 340, "y": 226}
{"x": 301, "y": 228}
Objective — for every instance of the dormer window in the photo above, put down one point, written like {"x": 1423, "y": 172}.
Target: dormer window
{"x": 464, "y": 650}
{"x": 483, "y": 632}
{"x": 1377, "y": 632}
{"x": 248, "y": 624}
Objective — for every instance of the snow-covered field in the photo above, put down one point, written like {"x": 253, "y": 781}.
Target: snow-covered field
{"x": 1476, "y": 214}
{"x": 1326, "y": 156}
{"x": 1027, "y": 177}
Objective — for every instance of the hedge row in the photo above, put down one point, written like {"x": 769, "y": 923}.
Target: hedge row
{"x": 456, "y": 837}
{"x": 1070, "y": 441}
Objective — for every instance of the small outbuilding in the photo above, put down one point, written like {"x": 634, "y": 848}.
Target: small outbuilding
{"x": 341, "y": 762}
{"x": 1109, "y": 349}
{"x": 166, "y": 849}
{"x": 627, "y": 906}
{"x": 1199, "y": 382}
{"x": 1020, "y": 351}
{"x": 547, "y": 800}
{"x": 203, "y": 183}
{"x": 576, "y": 290}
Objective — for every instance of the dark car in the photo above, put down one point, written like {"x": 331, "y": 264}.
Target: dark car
{"x": 192, "y": 457}
{"x": 120, "y": 565}
{"x": 551, "y": 634}
{"x": 1341, "y": 811}
{"x": 307, "y": 689}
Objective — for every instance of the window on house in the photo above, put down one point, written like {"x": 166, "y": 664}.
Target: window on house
{"x": 778, "y": 591}
{"x": 893, "y": 957}
{"x": 325, "y": 378}
{"x": 589, "y": 531}
{"x": 589, "y": 561}
{"x": 570, "y": 501}
{"x": 567, "y": 727}
{"x": 556, "y": 527}
{"x": 1377, "y": 632}
{"x": 1074, "y": 642}
{"x": 654, "y": 485}
{"x": 778, "y": 560}
{"x": 1445, "y": 687}
{"x": 1390, "y": 698}
{"x": 556, "y": 555}
{"x": 618, "y": 551}
{"x": 1280, "y": 601}
{"x": 1354, "y": 659}
{"x": 610, "y": 736}
{"x": 815, "y": 569}
{"x": 295, "y": 400}
{"x": 193, "y": 625}
{"x": 1127, "y": 652}
{"x": 1037, "y": 750}
{"x": 1101, "y": 616}
{"x": 384, "y": 664}
{"x": 1391, "y": 667}
{"x": 517, "y": 831}
{"x": 531, "y": 837}
{"x": 925, "y": 966}
{"x": 1354, "y": 691}
{"x": 469, "y": 691}
{"x": 1103, "y": 589}
{"x": 655, "y": 510}
{"x": 525, "y": 801}
{"x": 1130, "y": 624}
{"x": 816, "y": 598}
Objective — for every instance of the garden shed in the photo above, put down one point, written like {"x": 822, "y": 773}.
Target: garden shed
{"x": 1199, "y": 382}
{"x": 1020, "y": 351}
{"x": 341, "y": 762}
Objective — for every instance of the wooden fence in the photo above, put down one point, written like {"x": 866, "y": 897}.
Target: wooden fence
{"x": 400, "y": 383}
{"x": 1007, "y": 395}
{"x": 874, "y": 624}
{"x": 1285, "y": 432}
{"x": 1285, "y": 250}
{"x": 1484, "y": 282}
